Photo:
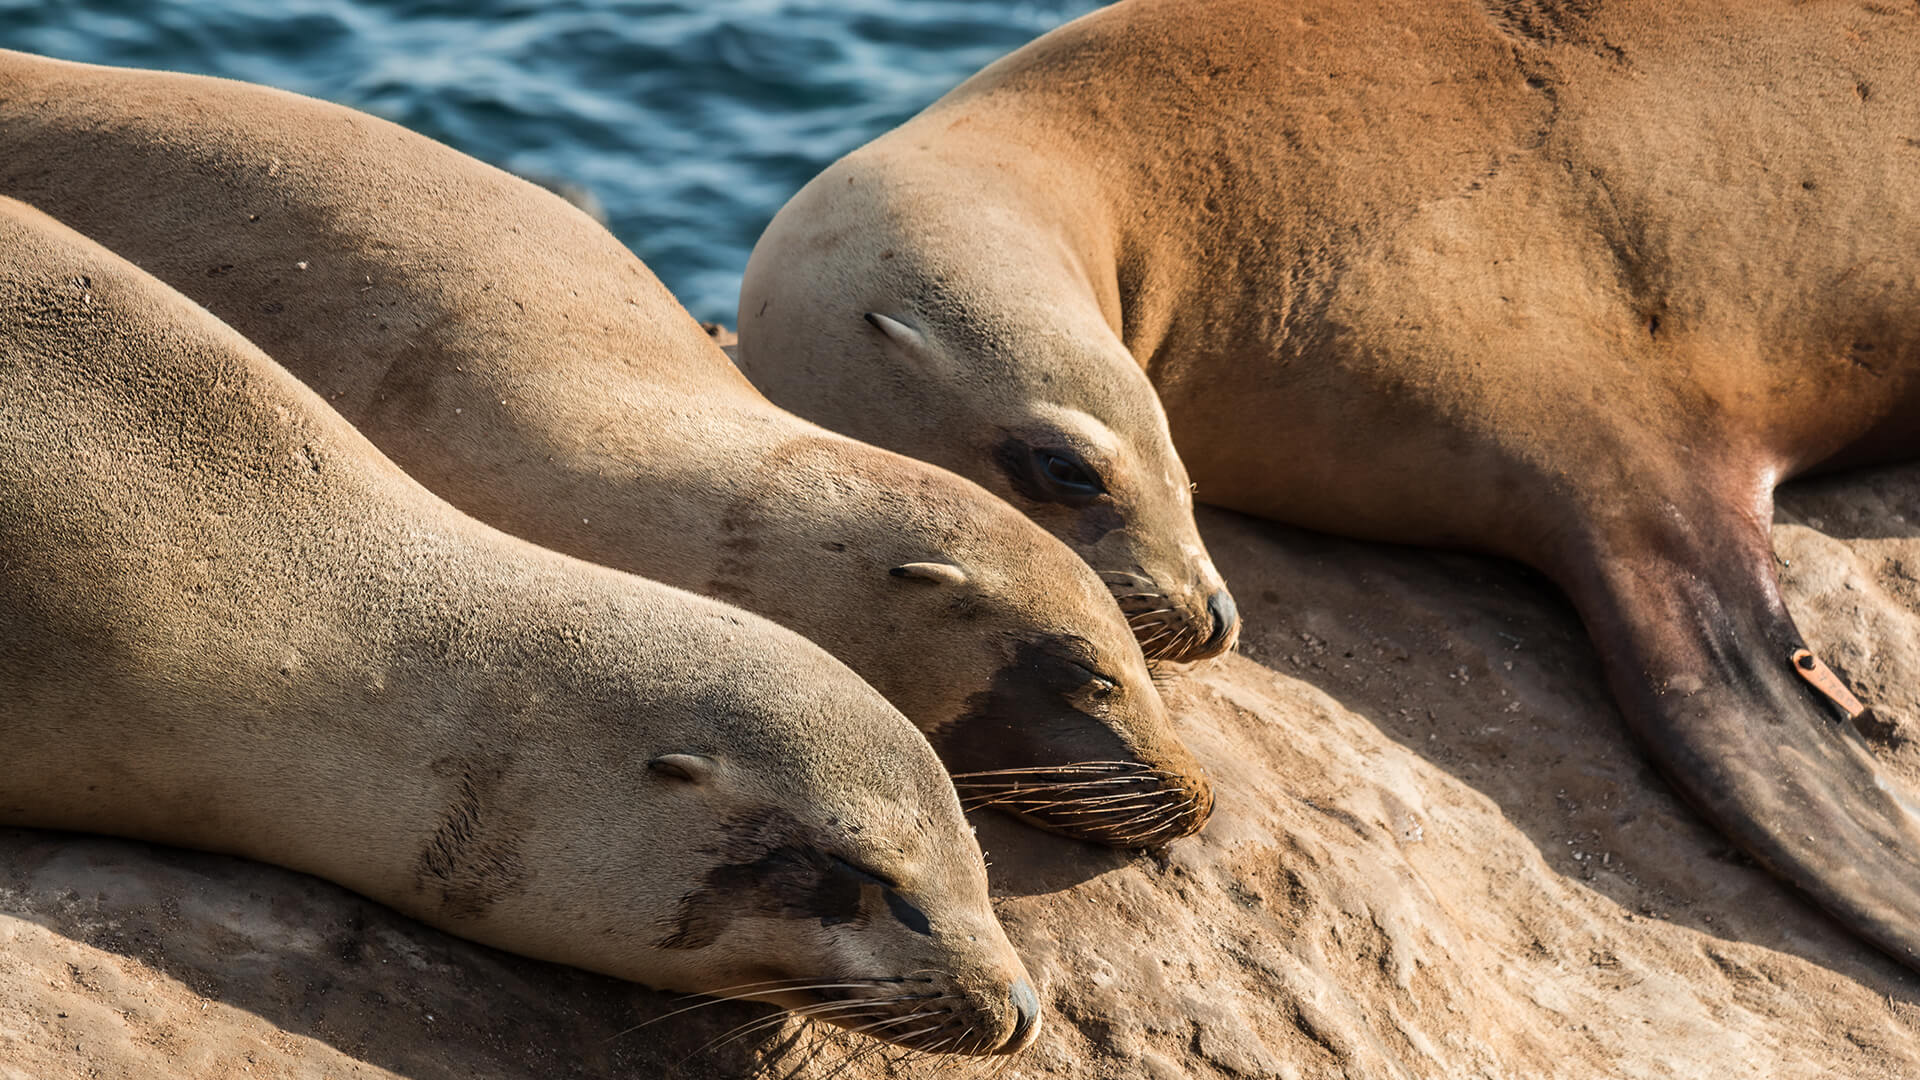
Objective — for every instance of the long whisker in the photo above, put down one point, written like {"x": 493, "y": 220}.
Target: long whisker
{"x": 1076, "y": 766}
{"x": 1018, "y": 784}
{"x": 1136, "y": 830}
{"x": 804, "y": 1013}
{"x": 726, "y": 995}
{"x": 1044, "y": 792}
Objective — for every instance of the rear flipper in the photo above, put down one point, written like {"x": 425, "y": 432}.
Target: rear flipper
{"x": 1705, "y": 663}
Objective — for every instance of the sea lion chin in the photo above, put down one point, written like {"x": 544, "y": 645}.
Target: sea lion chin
{"x": 231, "y": 624}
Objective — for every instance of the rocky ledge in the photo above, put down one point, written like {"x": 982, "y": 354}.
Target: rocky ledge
{"x": 1436, "y": 854}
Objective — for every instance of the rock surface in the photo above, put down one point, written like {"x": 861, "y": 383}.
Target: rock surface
{"x": 1436, "y": 855}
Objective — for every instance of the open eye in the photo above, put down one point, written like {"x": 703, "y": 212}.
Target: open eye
{"x": 1066, "y": 473}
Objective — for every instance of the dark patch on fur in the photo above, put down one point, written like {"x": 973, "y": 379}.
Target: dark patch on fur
{"x": 909, "y": 916}
{"x": 1015, "y": 459}
{"x": 767, "y": 867}
{"x": 1038, "y": 709}
{"x": 467, "y": 863}
{"x": 740, "y": 529}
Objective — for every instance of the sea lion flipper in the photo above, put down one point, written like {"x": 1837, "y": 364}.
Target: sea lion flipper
{"x": 1705, "y": 662}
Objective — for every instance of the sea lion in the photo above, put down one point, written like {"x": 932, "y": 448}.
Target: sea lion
{"x": 511, "y": 355}
{"x": 231, "y": 624}
{"x": 1572, "y": 283}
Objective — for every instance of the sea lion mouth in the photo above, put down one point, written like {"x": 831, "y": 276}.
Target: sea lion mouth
{"x": 1116, "y": 803}
{"x": 1168, "y": 629}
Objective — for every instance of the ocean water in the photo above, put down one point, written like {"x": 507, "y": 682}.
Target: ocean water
{"x": 689, "y": 123}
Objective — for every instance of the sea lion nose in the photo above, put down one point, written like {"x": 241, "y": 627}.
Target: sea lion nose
{"x": 1026, "y": 1006}
{"x": 1226, "y": 618}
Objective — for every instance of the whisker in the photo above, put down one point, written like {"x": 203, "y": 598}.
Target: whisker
{"x": 1135, "y": 829}
{"x": 901, "y": 1040}
{"x": 922, "y": 1014}
{"x": 1051, "y": 792}
{"x": 805, "y": 1014}
{"x": 739, "y": 1032}
{"x": 854, "y": 1057}
{"x": 1074, "y": 766}
{"x": 1056, "y": 798}
{"x": 1027, "y": 785}
{"x": 723, "y": 996}
{"x": 1103, "y": 811}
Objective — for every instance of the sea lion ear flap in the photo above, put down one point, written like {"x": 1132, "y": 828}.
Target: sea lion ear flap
{"x": 693, "y": 768}
{"x": 937, "y": 572}
{"x": 896, "y": 331}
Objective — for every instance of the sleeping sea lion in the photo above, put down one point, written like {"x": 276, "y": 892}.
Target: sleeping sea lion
{"x": 231, "y": 624}
{"x": 1573, "y": 283}
{"x": 511, "y": 355}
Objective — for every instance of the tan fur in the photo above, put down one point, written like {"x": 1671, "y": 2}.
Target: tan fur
{"x": 510, "y": 354}
{"x": 231, "y": 624}
{"x": 1576, "y": 283}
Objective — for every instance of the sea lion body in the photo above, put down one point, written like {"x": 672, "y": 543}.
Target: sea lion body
{"x": 1576, "y": 284}
{"x": 511, "y": 355}
{"x": 232, "y": 625}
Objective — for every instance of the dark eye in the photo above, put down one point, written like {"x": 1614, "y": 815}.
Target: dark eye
{"x": 1065, "y": 472}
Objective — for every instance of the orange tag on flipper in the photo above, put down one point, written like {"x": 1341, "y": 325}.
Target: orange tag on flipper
{"x": 1821, "y": 678}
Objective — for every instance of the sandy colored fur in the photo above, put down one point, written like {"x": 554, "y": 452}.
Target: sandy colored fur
{"x": 233, "y": 625}
{"x": 511, "y": 355}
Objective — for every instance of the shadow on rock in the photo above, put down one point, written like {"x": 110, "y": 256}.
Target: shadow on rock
{"x": 1481, "y": 667}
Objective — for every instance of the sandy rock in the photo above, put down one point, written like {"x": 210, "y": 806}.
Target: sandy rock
{"x": 1436, "y": 855}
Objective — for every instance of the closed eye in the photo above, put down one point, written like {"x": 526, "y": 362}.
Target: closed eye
{"x": 865, "y": 875}
{"x": 1101, "y": 684}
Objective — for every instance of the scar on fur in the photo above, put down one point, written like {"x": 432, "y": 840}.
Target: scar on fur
{"x": 1821, "y": 678}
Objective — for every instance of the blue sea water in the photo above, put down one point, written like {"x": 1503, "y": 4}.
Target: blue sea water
{"x": 690, "y": 123}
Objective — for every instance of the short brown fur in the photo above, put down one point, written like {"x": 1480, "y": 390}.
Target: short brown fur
{"x": 511, "y": 355}
{"x": 231, "y": 624}
{"x": 1576, "y": 283}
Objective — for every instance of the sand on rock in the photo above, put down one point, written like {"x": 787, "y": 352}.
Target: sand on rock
{"x": 1436, "y": 854}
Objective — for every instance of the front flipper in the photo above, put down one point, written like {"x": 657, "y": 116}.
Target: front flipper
{"x": 1707, "y": 667}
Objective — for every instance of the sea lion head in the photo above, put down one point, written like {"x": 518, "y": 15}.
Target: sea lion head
{"x": 754, "y": 822}
{"x": 880, "y": 310}
{"x": 989, "y": 634}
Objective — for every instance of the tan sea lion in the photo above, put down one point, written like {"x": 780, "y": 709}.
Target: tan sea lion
{"x": 510, "y": 354}
{"x": 1574, "y": 283}
{"x": 231, "y": 624}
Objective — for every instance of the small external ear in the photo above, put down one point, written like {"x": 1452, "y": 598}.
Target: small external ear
{"x": 937, "y": 572}
{"x": 693, "y": 768}
{"x": 897, "y": 332}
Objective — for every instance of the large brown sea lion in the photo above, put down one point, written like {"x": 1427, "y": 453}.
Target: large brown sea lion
{"x": 231, "y": 624}
{"x": 510, "y": 354}
{"x": 1575, "y": 283}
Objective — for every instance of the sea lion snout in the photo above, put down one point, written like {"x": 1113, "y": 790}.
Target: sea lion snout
{"x": 1226, "y": 623}
{"x": 1178, "y": 625}
{"x": 1026, "y": 1007}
